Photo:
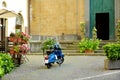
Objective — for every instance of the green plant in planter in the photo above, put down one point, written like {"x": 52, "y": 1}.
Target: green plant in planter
{"x": 112, "y": 51}
{"x": 88, "y": 44}
{"x": 47, "y": 44}
{"x": 16, "y": 48}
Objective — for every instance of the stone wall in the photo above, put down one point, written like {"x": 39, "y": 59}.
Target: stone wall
{"x": 56, "y": 17}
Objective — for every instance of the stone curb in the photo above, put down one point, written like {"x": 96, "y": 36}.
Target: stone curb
{"x": 74, "y": 54}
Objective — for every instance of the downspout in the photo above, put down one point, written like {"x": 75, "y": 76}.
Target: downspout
{"x": 28, "y": 8}
{"x": 76, "y": 19}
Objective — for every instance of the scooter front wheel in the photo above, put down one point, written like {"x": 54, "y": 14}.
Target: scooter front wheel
{"x": 60, "y": 61}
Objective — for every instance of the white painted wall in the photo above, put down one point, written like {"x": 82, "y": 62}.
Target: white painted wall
{"x": 17, "y": 6}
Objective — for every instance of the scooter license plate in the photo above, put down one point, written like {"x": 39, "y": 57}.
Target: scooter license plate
{"x": 46, "y": 61}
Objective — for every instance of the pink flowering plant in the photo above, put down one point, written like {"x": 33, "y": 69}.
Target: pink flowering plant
{"x": 23, "y": 36}
{"x": 24, "y": 48}
{"x": 20, "y": 41}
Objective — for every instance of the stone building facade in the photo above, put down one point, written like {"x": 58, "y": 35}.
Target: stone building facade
{"x": 58, "y": 18}
{"x": 61, "y": 18}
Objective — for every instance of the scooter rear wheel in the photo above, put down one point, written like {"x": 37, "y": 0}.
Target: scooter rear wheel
{"x": 48, "y": 65}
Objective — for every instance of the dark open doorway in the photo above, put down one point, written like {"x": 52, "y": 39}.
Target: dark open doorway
{"x": 2, "y": 35}
{"x": 102, "y": 25}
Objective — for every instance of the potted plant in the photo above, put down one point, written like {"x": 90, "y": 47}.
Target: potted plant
{"x": 22, "y": 37}
{"x": 47, "y": 44}
{"x": 88, "y": 45}
{"x": 19, "y": 46}
{"x": 14, "y": 50}
{"x": 112, "y": 52}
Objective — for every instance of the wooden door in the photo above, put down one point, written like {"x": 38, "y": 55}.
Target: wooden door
{"x": 102, "y": 6}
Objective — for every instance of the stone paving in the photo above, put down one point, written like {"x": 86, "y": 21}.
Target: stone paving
{"x": 74, "y": 68}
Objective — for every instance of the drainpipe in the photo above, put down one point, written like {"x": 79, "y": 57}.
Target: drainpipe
{"x": 28, "y": 8}
{"x": 77, "y": 18}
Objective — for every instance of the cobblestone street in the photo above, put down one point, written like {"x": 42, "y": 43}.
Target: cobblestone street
{"x": 74, "y": 68}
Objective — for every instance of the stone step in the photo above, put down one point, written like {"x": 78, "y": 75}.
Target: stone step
{"x": 99, "y": 51}
{"x": 105, "y": 42}
{"x": 78, "y": 51}
{"x": 68, "y": 41}
{"x": 64, "y": 51}
{"x": 70, "y": 51}
{"x": 71, "y": 46}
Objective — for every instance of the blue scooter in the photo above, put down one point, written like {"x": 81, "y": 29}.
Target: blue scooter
{"x": 54, "y": 56}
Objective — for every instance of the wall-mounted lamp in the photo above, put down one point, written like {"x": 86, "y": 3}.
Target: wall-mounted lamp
{"x": 0, "y": 25}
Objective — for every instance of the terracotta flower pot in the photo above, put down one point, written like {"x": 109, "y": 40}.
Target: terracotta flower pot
{"x": 89, "y": 51}
{"x": 12, "y": 51}
{"x": 15, "y": 40}
{"x": 19, "y": 40}
{"x": 11, "y": 39}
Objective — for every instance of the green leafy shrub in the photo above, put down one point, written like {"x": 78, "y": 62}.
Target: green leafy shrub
{"x": 88, "y": 44}
{"x": 6, "y": 64}
{"x": 112, "y": 51}
{"x": 1, "y": 69}
{"x": 47, "y": 44}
